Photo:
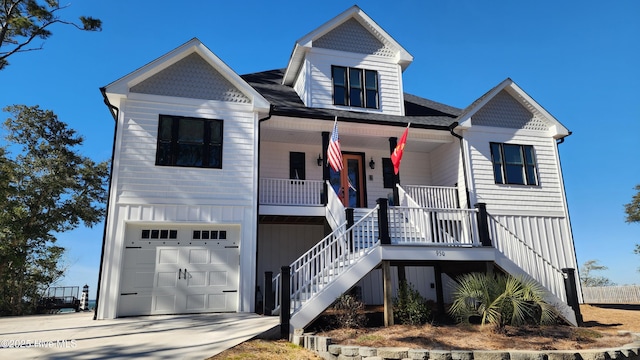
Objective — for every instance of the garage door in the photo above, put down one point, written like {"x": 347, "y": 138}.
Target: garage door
{"x": 175, "y": 271}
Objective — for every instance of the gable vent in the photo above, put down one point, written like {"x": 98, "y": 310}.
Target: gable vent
{"x": 351, "y": 36}
{"x": 191, "y": 77}
{"x": 504, "y": 111}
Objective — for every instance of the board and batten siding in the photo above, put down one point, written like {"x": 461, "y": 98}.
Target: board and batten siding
{"x": 320, "y": 86}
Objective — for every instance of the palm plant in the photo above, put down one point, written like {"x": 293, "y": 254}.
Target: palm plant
{"x": 500, "y": 300}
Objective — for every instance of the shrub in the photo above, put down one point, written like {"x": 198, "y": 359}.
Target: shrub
{"x": 349, "y": 312}
{"x": 410, "y": 307}
{"x": 500, "y": 300}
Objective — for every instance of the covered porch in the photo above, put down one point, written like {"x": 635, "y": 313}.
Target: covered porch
{"x": 294, "y": 177}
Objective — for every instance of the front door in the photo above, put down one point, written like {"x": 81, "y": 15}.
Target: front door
{"x": 349, "y": 183}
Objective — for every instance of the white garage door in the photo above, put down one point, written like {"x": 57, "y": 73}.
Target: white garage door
{"x": 175, "y": 271}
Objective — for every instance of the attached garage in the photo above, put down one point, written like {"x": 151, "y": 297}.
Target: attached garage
{"x": 179, "y": 269}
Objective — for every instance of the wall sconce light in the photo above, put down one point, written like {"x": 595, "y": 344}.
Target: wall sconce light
{"x": 319, "y": 160}
{"x": 372, "y": 164}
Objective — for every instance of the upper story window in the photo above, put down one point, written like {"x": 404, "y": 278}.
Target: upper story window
{"x": 355, "y": 87}
{"x": 514, "y": 164}
{"x": 187, "y": 141}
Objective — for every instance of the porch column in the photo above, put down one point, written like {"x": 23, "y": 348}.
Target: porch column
{"x": 325, "y": 168}
{"x": 268, "y": 302}
{"x": 572, "y": 292}
{"x": 383, "y": 222}
{"x": 483, "y": 224}
{"x": 437, "y": 269}
{"x": 388, "y": 293}
{"x": 285, "y": 301}
{"x": 393, "y": 142}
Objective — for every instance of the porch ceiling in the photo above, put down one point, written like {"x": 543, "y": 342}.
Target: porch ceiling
{"x": 356, "y": 136}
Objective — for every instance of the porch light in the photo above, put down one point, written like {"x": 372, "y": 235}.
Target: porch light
{"x": 372, "y": 164}
{"x": 319, "y": 160}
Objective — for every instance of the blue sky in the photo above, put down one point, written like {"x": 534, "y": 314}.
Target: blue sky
{"x": 578, "y": 59}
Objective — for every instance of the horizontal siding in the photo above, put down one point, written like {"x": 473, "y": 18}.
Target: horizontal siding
{"x": 545, "y": 198}
{"x": 415, "y": 168}
{"x": 321, "y": 87}
{"x": 140, "y": 181}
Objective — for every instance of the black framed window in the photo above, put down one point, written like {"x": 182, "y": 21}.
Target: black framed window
{"x": 191, "y": 142}
{"x": 297, "y": 168}
{"x": 355, "y": 87}
{"x": 514, "y": 164}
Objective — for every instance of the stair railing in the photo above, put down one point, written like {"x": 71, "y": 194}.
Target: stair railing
{"x": 328, "y": 259}
{"x": 527, "y": 258}
{"x": 334, "y": 211}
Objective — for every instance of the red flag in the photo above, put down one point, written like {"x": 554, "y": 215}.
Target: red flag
{"x": 334, "y": 154}
{"x": 396, "y": 156}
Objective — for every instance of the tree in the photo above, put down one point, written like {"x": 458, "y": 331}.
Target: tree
{"x": 587, "y": 278}
{"x": 633, "y": 208}
{"x": 500, "y": 300}
{"x": 46, "y": 188}
{"x": 23, "y": 21}
{"x": 633, "y": 213}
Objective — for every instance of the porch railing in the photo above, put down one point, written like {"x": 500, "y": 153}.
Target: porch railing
{"x": 527, "y": 258}
{"x": 441, "y": 227}
{"x": 290, "y": 192}
{"x": 439, "y": 197}
{"x": 327, "y": 260}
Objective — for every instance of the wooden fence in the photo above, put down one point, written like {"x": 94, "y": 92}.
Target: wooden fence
{"x": 612, "y": 294}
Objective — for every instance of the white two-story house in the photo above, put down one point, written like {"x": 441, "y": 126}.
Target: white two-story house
{"x": 219, "y": 179}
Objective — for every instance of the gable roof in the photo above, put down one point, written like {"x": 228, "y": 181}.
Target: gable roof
{"x": 193, "y": 51}
{"x": 420, "y": 112}
{"x": 509, "y": 86}
{"x": 354, "y": 13}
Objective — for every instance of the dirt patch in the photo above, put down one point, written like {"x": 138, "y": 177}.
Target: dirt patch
{"x": 602, "y": 330}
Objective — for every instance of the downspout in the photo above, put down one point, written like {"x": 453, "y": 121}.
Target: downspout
{"x": 464, "y": 165}
{"x": 114, "y": 113}
{"x": 566, "y": 204}
{"x": 260, "y": 121}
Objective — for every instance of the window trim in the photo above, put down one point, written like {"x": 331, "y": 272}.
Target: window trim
{"x": 365, "y": 88}
{"x": 208, "y": 142}
{"x": 529, "y": 171}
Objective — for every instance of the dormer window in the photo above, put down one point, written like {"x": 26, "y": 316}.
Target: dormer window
{"x": 355, "y": 87}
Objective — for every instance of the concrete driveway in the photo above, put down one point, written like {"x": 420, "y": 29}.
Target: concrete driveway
{"x": 78, "y": 336}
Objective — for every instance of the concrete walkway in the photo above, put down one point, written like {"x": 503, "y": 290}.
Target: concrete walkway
{"x": 78, "y": 336}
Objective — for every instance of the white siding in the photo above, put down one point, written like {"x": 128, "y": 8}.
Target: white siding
{"x": 546, "y": 198}
{"x": 300, "y": 86}
{"x": 144, "y": 193}
{"x": 141, "y": 181}
{"x": 447, "y": 169}
{"x": 274, "y": 159}
{"x": 321, "y": 89}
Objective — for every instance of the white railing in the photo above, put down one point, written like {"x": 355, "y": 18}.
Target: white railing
{"x": 290, "y": 192}
{"x": 334, "y": 211}
{"x": 439, "y": 197}
{"x": 327, "y": 260}
{"x": 527, "y": 258}
{"x": 626, "y": 295}
{"x": 440, "y": 227}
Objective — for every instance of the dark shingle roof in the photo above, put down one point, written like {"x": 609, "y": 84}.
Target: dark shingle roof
{"x": 285, "y": 101}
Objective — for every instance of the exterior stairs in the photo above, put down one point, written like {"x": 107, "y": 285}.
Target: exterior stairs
{"x": 350, "y": 252}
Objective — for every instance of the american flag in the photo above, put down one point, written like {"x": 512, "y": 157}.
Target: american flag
{"x": 334, "y": 154}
